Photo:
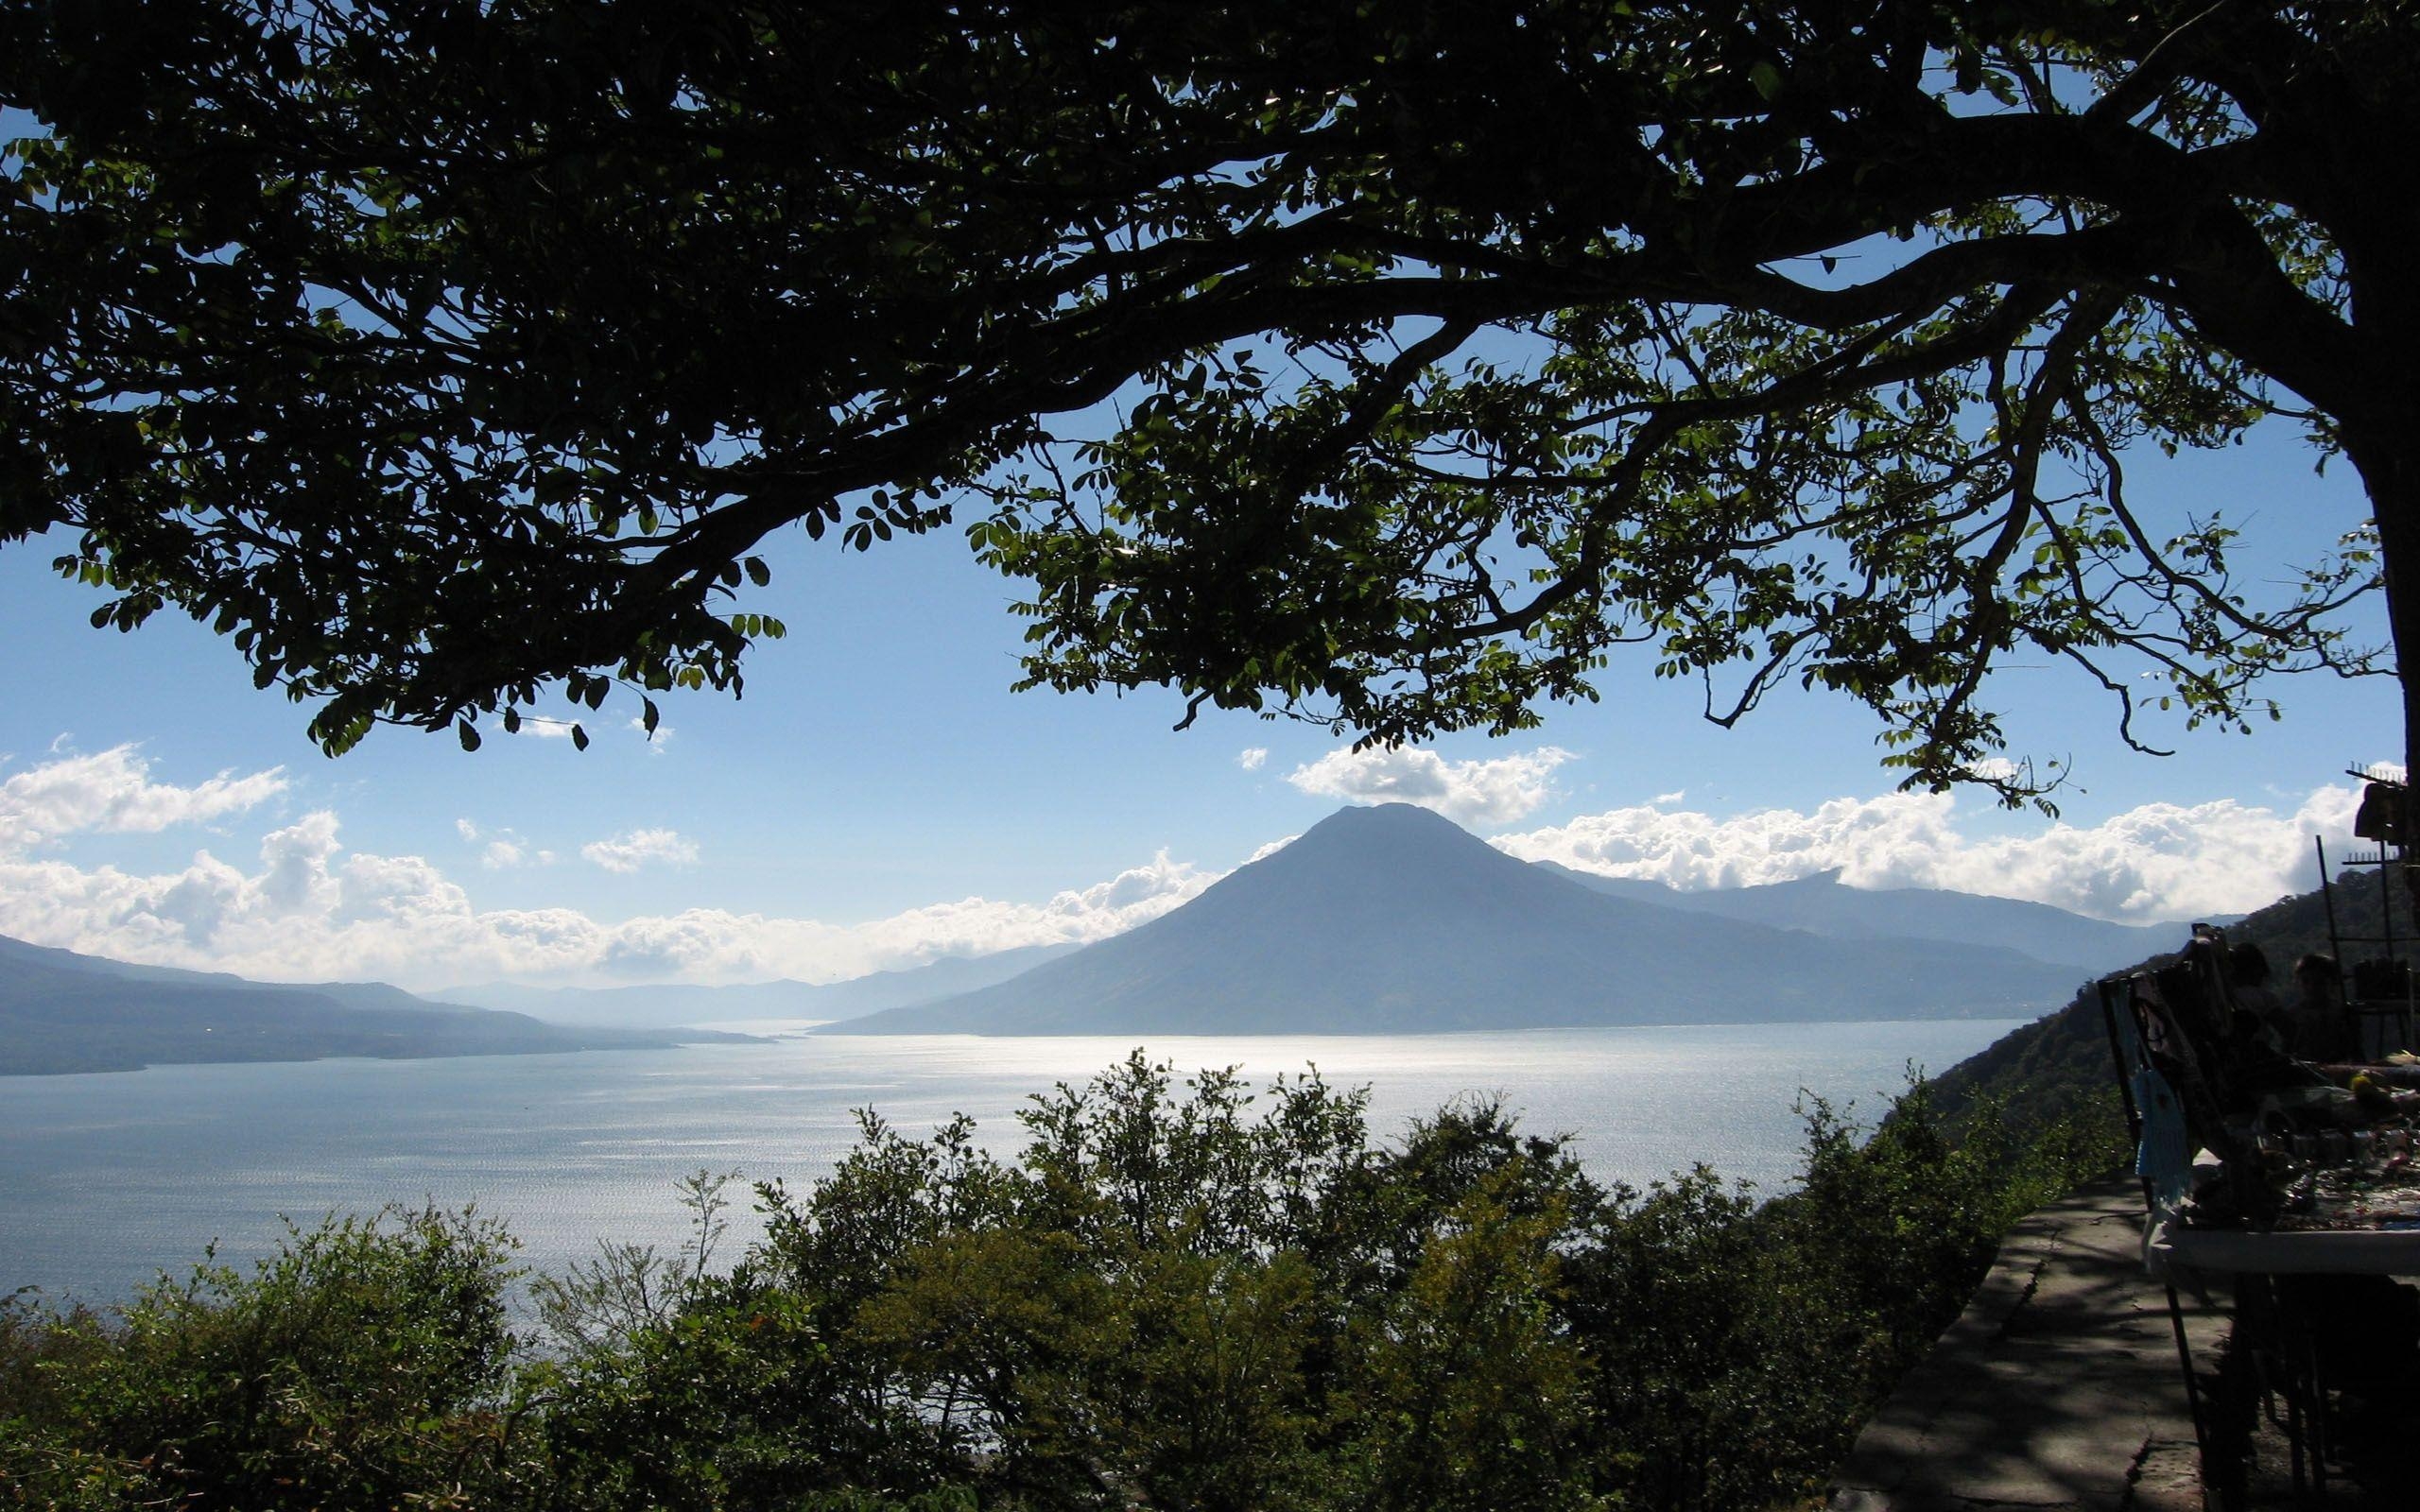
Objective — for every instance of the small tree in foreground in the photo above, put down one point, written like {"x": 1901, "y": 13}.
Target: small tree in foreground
{"x": 367, "y": 1364}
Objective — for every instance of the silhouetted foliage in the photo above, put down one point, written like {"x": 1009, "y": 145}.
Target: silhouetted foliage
{"x": 441, "y": 351}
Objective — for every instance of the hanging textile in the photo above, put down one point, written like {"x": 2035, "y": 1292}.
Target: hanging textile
{"x": 2165, "y": 1157}
{"x": 2380, "y": 817}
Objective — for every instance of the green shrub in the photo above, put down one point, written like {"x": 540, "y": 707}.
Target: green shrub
{"x": 367, "y": 1364}
{"x": 1178, "y": 1295}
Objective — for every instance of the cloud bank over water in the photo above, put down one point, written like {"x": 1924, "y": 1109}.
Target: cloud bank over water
{"x": 304, "y": 906}
{"x": 298, "y": 905}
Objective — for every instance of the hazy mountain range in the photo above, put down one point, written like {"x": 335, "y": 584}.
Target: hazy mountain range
{"x": 676, "y": 1003}
{"x": 1821, "y": 905}
{"x": 1378, "y": 920}
{"x": 1392, "y": 919}
{"x": 64, "y": 1012}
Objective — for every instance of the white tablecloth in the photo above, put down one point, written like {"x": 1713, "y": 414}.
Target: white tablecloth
{"x": 2315, "y": 1252}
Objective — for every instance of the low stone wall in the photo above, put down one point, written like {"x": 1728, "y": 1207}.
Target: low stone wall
{"x": 2058, "y": 1387}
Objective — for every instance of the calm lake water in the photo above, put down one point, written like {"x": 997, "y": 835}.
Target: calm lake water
{"x": 105, "y": 1181}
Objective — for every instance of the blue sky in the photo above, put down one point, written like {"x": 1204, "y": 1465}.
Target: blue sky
{"x": 879, "y": 795}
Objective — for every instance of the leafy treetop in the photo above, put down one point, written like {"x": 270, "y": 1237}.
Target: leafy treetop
{"x": 441, "y": 352}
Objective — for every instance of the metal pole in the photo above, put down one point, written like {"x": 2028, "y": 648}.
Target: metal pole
{"x": 2352, "y": 1022}
{"x": 2117, "y": 1055}
{"x": 2327, "y": 895}
{"x": 2386, "y": 897}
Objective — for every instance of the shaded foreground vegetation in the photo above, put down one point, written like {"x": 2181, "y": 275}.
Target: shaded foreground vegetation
{"x": 1178, "y": 1295}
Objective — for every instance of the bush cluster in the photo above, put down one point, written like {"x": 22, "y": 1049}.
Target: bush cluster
{"x": 1180, "y": 1295}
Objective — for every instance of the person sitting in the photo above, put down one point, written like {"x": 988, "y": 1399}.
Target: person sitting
{"x": 2252, "y": 1057}
{"x": 2317, "y": 1029}
{"x": 2247, "y": 971}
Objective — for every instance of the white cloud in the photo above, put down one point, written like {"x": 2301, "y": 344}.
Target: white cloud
{"x": 538, "y": 726}
{"x": 2161, "y": 861}
{"x": 1678, "y": 794}
{"x": 1469, "y": 793}
{"x": 307, "y": 908}
{"x": 627, "y": 852}
{"x": 505, "y": 849}
{"x": 1252, "y": 758}
{"x": 657, "y": 739}
{"x": 310, "y": 910}
{"x": 1271, "y": 849}
{"x": 295, "y": 875}
{"x": 714, "y": 945}
{"x": 111, "y": 792}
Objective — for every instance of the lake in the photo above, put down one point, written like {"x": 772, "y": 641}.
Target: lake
{"x": 107, "y": 1180}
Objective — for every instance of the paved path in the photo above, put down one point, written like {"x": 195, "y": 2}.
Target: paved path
{"x": 2058, "y": 1387}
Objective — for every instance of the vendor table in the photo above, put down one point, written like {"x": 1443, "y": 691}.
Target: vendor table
{"x": 2265, "y": 1315}
{"x": 2332, "y": 1181}
{"x": 2298, "y": 1252}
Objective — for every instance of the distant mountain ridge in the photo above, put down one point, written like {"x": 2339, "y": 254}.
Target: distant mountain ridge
{"x": 1392, "y": 919}
{"x": 61, "y": 1011}
{"x": 1382, "y": 920}
{"x": 678, "y": 1002}
{"x": 22, "y": 963}
{"x": 1821, "y": 904}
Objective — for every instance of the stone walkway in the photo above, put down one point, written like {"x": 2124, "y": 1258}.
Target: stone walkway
{"x": 2058, "y": 1386}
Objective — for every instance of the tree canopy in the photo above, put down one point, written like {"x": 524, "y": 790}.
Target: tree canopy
{"x": 1384, "y": 364}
